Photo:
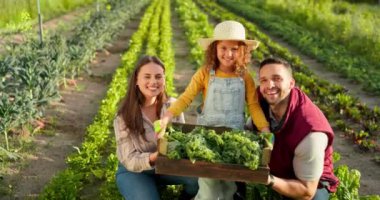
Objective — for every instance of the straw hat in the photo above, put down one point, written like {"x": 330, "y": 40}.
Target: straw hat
{"x": 228, "y": 30}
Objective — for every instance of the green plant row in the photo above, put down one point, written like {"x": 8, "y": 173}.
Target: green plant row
{"x": 196, "y": 26}
{"x": 346, "y": 175}
{"x": 165, "y": 50}
{"x": 334, "y": 54}
{"x": 86, "y": 162}
{"x": 159, "y": 42}
{"x": 108, "y": 189}
{"x": 332, "y": 98}
{"x": 154, "y": 31}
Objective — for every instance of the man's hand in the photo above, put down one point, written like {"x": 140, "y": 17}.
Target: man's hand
{"x": 166, "y": 118}
{"x": 269, "y": 139}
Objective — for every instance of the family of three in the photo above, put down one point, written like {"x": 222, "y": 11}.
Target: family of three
{"x": 301, "y": 162}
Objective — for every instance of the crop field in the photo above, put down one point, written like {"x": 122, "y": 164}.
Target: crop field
{"x": 17, "y": 15}
{"x": 59, "y": 96}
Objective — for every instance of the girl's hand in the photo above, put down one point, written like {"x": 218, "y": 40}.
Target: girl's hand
{"x": 265, "y": 130}
{"x": 166, "y": 118}
{"x": 160, "y": 125}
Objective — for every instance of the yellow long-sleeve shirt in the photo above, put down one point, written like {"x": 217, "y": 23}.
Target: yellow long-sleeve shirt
{"x": 199, "y": 83}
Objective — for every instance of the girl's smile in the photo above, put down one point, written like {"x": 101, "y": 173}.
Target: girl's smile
{"x": 227, "y": 53}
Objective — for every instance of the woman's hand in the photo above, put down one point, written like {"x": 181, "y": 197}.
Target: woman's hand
{"x": 153, "y": 158}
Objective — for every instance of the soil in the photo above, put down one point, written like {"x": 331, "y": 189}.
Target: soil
{"x": 67, "y": 119}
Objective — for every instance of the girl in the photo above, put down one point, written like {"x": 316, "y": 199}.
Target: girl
{"x": 226, "y": 86}
{"x": 136, "y": 141}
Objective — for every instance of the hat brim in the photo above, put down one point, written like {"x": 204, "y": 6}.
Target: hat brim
{"x": 205, "y": 42}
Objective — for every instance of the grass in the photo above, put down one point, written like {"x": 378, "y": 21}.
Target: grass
{"x": 355, "y": 25}
{"x": 21, "y": 13}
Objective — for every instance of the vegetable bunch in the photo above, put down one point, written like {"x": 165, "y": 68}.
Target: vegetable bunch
{"x": 234, "y": 147}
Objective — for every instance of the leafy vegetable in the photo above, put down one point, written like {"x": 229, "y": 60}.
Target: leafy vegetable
{"x": 157, "y": 126}
{"x": 235, "y": 147}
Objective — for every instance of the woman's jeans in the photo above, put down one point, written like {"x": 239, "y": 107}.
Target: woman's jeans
{"x": 143, "y": 185}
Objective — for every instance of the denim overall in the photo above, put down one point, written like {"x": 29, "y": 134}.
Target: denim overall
{"x": 224, "y": 106}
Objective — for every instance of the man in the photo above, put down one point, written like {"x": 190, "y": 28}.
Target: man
{"x": 301, "y": 161}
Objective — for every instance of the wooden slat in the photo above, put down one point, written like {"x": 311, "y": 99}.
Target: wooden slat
{"x": 185, "y": 128}
{"x": 228, "y": 172}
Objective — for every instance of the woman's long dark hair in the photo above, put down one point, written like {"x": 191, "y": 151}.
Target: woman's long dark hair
{"x": 130, "y": 109}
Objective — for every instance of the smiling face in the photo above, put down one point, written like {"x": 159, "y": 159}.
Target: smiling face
{"x": 227, "y": 53}
{"x": 276, "y": 82}
{"x": 151, "y": 81}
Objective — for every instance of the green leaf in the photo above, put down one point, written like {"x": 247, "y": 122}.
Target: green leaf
{"x": 157, "y": 126}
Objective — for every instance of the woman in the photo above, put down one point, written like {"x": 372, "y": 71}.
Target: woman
{"x": 145, "y": 102}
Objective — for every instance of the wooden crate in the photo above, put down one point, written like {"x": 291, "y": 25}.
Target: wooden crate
{"x": 230, "y": 172}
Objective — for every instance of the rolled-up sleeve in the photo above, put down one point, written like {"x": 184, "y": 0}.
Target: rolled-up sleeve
{"x": 192, "y": 90}
{"x": 309, "y": 156}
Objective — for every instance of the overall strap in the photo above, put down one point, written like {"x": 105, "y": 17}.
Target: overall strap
{"x": 212, "y": 75}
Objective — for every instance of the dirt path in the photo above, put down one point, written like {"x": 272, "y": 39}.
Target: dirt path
{"x": 355, "y": 158}
{"x": 67, "y": 120}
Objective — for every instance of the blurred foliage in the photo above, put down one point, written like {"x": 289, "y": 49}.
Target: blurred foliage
{"x": 14, "y": 14}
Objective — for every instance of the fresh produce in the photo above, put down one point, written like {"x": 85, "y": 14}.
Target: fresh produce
{"x": 235, "y": 147}
{"x": 157, "y": 126}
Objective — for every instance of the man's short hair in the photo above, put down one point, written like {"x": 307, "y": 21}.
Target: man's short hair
{"x": 277, "y": 60}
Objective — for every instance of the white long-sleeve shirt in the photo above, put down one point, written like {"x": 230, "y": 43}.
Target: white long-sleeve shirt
{"x": 133, "y": 153}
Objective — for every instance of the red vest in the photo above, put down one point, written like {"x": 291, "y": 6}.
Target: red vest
{"x": 301, "y": 118}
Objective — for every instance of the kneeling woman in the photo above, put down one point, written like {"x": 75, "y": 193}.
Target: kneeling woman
{"x": 145, "y": 102}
